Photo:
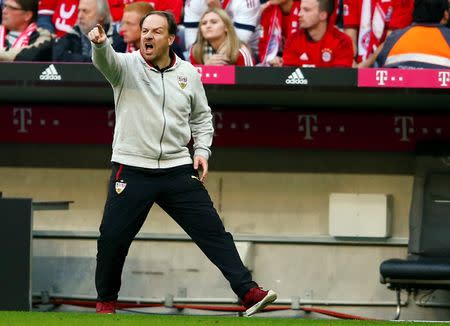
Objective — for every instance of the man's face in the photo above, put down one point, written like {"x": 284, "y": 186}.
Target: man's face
{"x": 309, "y": 15}
{"x": 155, "y": 38}
{"x": 87, "y": 15}
{"x": 14, "y": 18}
{"x": 129, "y": 26}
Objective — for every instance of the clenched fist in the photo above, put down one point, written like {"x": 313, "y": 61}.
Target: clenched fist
{"x": 97, "y": 35}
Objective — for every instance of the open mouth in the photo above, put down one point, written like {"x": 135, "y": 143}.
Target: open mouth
{"x": 148, "y": 46}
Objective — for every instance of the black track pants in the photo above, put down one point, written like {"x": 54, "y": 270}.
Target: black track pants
{"x": 180, "y": 193}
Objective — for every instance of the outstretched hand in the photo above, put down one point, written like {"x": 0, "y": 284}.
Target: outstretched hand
{"x": 97, "y": 35}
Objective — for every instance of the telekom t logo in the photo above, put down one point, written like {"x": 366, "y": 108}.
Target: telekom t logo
{"x": 200, "y": 71}
{"x": 406, "y": 127}
{"x": 444, "y": 77}
{"x": 307, "y": 123}
{"x": 110, "y": 118}
{"x": 382, "y": 76}
{"x": 22, "y": 119}
{"x": 217, "y": 121}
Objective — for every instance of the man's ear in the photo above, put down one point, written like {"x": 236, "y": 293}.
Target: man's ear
{"x": 171, "y": 39}
{"x": 323, "y": 15}
{"x": 29, "y": 16}
{"x": 445, "y": 18}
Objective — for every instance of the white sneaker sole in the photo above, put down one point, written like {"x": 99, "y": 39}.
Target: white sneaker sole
{"x": 268, "y": 299}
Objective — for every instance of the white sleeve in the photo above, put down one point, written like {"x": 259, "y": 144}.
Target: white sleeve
{"x": 108, "y": 62}
{"x": 193, "y": 10}
{"x": 200, "y": 120}
{"x": 245, "y": 17}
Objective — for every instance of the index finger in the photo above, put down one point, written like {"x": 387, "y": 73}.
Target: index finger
{"x": 100, "y": 29}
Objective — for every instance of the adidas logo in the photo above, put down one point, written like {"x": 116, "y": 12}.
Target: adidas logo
{"x": 297, "y": 78}
{"x": 50, "y": 74}
{"x": 304, "y": 57}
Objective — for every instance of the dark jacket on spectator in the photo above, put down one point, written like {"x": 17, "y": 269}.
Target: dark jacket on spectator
{"x": 39, "y": 48}
{"x": 76, "y": 47}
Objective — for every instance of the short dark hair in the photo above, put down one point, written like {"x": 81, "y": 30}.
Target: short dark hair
{"x": 171, "y": 22}
{"x": 326, "y": 5}
{"x": 29, "y": 5}
{"x": 429, "y": 11}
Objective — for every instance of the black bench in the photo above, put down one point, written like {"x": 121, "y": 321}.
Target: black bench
{"x": 427, "y": 266}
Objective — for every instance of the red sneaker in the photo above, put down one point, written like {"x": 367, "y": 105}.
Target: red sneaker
{"x": 256, "y": 299}
{"x": 106, "y": 307}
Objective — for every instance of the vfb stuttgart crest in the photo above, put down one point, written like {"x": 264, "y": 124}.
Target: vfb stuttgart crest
{"x": 182, "y": 81}
{"x": 120, "y": 186}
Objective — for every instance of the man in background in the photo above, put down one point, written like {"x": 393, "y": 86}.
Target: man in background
{"x": 317, "y": 43}
{"x": 424, "y": 44}
{"x": 20, "y": 38}
{"x": 75, "y": 45}
{"x": 129, "y": 27}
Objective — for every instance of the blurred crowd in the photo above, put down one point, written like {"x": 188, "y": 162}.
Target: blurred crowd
{"x": 303, "y": 33}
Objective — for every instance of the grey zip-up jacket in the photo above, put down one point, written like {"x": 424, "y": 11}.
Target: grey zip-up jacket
{"x": 156, "y": 112}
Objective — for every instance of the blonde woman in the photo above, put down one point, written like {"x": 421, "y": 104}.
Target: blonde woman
{"x": 217, "y": 42}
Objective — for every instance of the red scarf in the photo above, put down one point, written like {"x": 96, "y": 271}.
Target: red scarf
{"x": 21, "y": 41}
{"x": 270, "y": 42}
{"x": 130, "y": 47}
{"x": 375, "y": 17}
{"x": 225, "y": 4}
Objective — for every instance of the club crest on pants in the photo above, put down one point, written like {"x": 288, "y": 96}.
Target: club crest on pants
{"x": 120, "y": 186}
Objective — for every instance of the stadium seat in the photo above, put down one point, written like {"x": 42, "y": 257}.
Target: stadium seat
{"x": 428, "y": 263}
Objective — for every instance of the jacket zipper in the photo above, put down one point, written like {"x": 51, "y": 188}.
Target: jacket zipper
{"x": 164, "y": 116}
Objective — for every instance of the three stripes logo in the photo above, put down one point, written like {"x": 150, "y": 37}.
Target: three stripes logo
{"x": 296, "y": 78}
{"x": 50, "y": 73}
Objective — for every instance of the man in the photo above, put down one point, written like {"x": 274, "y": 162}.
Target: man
{"x": 160, "y": 104}
{"x": 317, "y": 43}
{"x": 245, "y": 15}
{"x": 424, "y": 44}
{"x": 130, "y": 27}
{"x": 75, "y": 46}
{"x": 20, "y": 38}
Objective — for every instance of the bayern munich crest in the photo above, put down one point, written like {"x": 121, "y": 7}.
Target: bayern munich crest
{"x": 326, "y": 55}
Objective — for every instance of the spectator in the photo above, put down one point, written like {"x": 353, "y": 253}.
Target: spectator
{"x": 317, "y": 43}
{"x": 58, "y": 16}
{"x": 130, "y": 27}
{"x": 20, "y": 38}
{"x": 424, "y": 44}
{"x": 368, "y": 22}
{"x": 244, "y": 14}
{"x": 75, "y": 46}
{"x": 217, "y": 42}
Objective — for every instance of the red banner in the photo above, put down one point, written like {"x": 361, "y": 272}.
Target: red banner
{"x": 404, "y": 78}
{"x": 369, "y": 131}
{"x": 225, "y": 75}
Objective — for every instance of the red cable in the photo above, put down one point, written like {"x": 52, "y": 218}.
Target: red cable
{"x": 125, "y": 305}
